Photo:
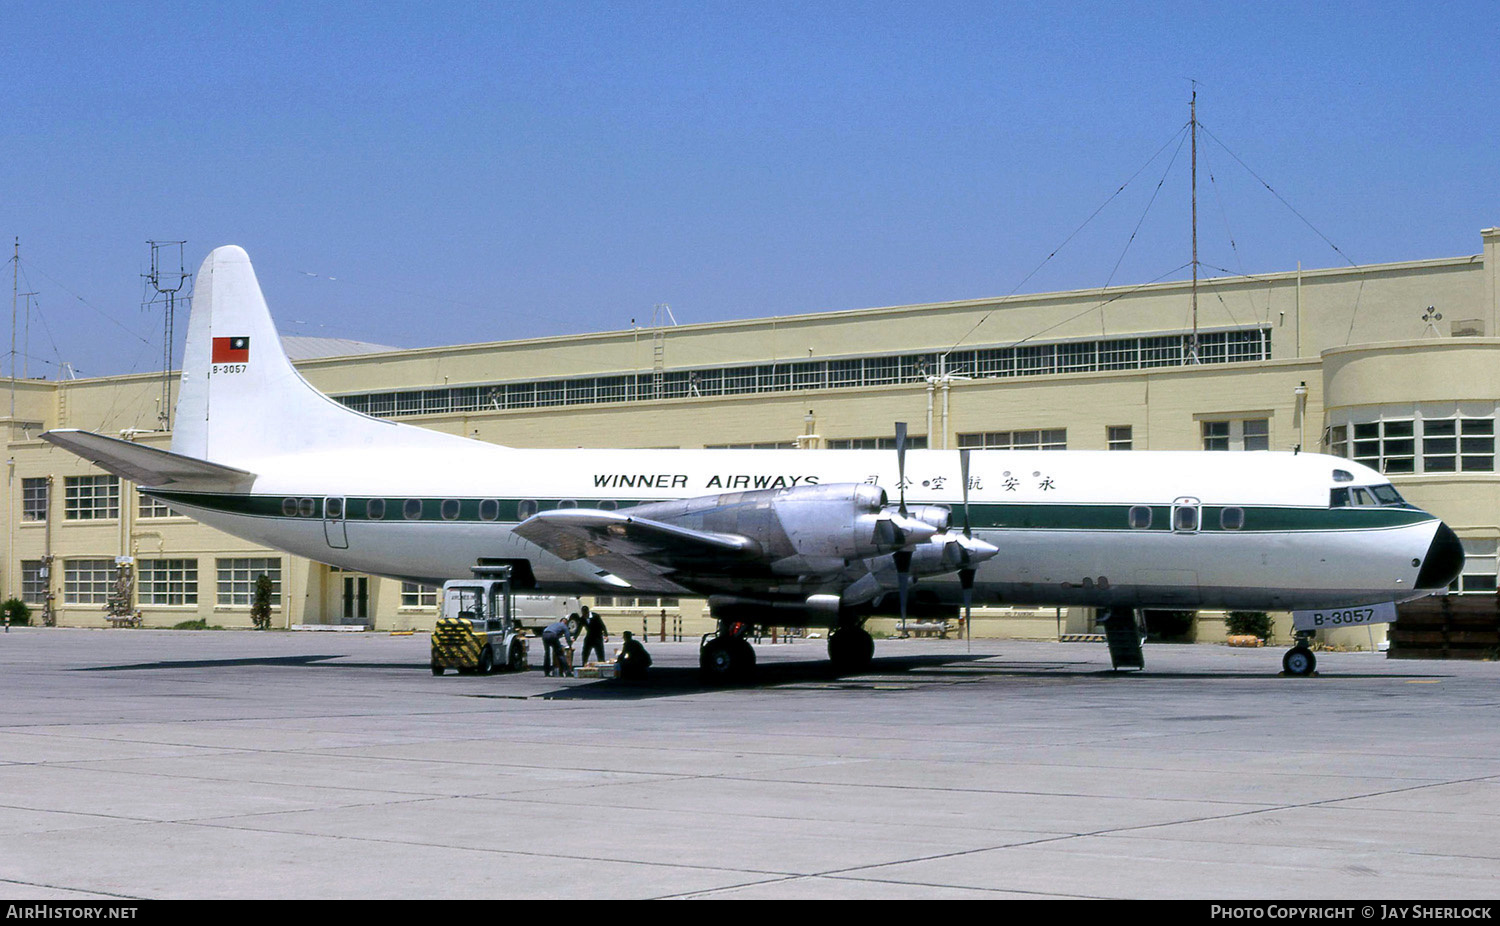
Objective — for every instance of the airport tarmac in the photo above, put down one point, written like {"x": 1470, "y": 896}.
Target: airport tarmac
{"x": 177, "y": 764}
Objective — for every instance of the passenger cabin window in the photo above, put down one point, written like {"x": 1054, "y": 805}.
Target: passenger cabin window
{"x": 333, "y": 509}
{"x": 1140, "y": 517}
{"x": 1232, "y": 518}
{"x": 375, "y": 509}
{"x": 450, "y": 509}
{"x": 489, "y": 510}
{"x": 412, "y": 509}
{"x": 526, "y": 509}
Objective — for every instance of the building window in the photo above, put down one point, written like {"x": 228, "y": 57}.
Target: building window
{"x": 91, "y": 498}
{"x": 1042, "y": 439}
{"x": 1458, "y": 445}
{"x": 769, "y": 445}
{"x": 156, "y": 508}
{"x": 169, "y": 582}
{"x": 34, "y": 499}
{"x": 415, "y": 595}
{"x": 88, "y": 581}
{"x": 1119, "y": 437}
{"x": 1479, "y": 568}
{"x": 33, "y": 581}
{"x": 1412, "y": 444}
{"x": 913, "y": 442}
{"x": 237, "y": 579}
{"x": 1031, "y": 359}
{"x": 1237, "y": 434}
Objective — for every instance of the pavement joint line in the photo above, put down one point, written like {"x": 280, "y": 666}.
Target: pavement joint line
{"x": 59, "y": 887}
{"x": 1136, "y": 828}
{"x": 488, "y": 851}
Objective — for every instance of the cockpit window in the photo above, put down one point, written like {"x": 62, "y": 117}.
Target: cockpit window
{"x": 1381, "y": 496}
{"x": 1342, "y": 475}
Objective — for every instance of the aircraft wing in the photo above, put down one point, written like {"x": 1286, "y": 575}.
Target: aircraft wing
{"x": 644, "y": 553}
{"x": 146, "y": 466}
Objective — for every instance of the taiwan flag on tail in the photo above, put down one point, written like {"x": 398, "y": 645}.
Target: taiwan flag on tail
{"x": 231, "y": 350}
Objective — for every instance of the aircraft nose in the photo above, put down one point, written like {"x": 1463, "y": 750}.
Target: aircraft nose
{"x": 1443, "y": 562}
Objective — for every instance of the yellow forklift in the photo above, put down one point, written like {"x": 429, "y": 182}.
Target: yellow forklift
{"x": 477, "y": 632}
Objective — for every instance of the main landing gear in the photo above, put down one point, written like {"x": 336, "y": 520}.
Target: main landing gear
{"x": 850, "y": 649}
{"x": 727, "y": 658}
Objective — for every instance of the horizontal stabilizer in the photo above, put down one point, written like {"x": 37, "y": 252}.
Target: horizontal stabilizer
{"x": 146, "y": 466}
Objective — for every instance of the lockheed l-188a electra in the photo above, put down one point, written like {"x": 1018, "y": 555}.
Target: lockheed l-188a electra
{"x": 809, "y": 538}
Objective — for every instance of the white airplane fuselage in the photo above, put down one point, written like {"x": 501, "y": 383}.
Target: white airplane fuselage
{"x": 261, "y": 454}
{"x": 1061, "y": 520}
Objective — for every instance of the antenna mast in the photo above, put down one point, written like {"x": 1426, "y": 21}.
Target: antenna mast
{"x": 15, "y": 287}
{"x": 1193, "y": 126}
{"x": 164, "y": 287}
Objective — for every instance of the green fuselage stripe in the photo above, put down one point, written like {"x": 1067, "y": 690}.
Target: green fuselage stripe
{"x": 985, "y": 516}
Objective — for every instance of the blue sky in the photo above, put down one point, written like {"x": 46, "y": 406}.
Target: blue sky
{"x": 435, "y": 173}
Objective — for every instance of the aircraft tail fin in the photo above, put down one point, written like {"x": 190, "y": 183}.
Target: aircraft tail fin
{"x": 241, "y": 399}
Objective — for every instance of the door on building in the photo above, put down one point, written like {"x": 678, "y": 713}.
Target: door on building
{"x": 356, "y": 599}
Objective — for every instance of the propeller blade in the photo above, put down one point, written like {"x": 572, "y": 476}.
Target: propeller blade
{"x": 963, "y": 465}
{"x": 903, "y": 578}
{"x": 901, "y": 463}
{"x": 966, "y": 578}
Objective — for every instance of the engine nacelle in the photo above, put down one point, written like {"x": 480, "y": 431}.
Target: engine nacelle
{"x": 813, "y": 523}
{"x": 939, "y": 517}
{"x": 845, "y": 522}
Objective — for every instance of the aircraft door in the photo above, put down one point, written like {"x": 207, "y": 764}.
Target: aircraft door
{"x": 334, "y": 530}
{"x": 1185, "y": 515}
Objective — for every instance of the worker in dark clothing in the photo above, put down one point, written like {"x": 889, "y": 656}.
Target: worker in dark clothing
{"x": 633, "y": 659}
{"x": 557, "y": 642}
{"x": 594, "y": 635}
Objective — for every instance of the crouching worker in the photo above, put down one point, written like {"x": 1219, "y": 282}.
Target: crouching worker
{"x": 633, "y": 659}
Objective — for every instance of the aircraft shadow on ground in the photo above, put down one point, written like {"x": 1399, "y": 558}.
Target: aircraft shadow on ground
{"x": 303, "y": 660}
{"x": 669, "y": 681}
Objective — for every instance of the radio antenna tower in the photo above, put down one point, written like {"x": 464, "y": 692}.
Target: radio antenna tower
{"x": 167, "y": 286}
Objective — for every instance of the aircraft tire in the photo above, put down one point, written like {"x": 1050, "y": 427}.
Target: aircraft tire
{"x": 726, "y": 661}
{"x": 851, "y": 649}
{"x": 1299, "y": 662}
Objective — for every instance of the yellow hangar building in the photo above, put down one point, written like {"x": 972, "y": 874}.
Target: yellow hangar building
{"x": 1353, "y": 361}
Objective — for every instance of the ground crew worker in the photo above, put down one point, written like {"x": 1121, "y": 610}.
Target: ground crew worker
{"x": 553, "y": 646}
{"x": 594, "y": 635}
{"x": 633, "y": 659}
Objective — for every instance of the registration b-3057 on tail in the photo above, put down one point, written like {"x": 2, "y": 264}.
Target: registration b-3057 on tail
{"x": 778, "y": 537}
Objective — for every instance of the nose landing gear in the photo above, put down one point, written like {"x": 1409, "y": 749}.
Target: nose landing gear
{"x": 1299, "y": 661}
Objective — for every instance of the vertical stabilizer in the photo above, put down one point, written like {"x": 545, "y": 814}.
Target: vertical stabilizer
{"x": 241, "y": 399}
